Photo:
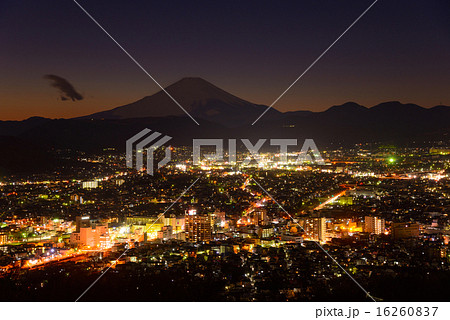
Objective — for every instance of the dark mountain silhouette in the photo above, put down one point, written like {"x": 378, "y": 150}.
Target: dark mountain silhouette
{"x": 222, "y": 115}
{"x": 20, "y": 155}
{"x": 95, "y": 135}
{"x": 200, "y": 98}
{"x": 14, "y": 128}
{"x": 351, "y": 123}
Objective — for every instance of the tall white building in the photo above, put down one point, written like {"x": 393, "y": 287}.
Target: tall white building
{"x": 374, "y": 225}
{"x": 315, "y": 228}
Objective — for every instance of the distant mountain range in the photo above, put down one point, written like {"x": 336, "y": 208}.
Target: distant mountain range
{"x": 223, "y": 115}
{"x": 348, "y": 123}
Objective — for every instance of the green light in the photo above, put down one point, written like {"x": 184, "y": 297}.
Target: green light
{"x": 391, "y": 160}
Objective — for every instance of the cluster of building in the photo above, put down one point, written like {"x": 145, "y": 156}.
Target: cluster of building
{"x": 373, "y": 211}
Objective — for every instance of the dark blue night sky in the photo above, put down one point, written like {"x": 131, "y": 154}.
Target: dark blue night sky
{"x": 400, "y": 50}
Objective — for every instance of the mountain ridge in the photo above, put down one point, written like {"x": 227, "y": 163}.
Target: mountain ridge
{"x": 227, "y": 116}
{"x": 200, "y": 98}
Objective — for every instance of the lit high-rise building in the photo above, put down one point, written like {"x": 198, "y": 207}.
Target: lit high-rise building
{"x": 258, "y": 217}
{"x": 315, "y": 228}
{"x": 198, "y": 227}
{"x": 374, "y": 225}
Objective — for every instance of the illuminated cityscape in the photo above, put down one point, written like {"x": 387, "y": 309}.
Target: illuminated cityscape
{"x": 380, "y": 219}
{"x": 225, "y": 151}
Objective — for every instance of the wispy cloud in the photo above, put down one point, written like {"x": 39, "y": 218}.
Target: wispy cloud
{"x": 65, "y": 88}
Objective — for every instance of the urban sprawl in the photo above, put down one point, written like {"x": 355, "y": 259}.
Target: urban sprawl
{"x": 255, "y": 230}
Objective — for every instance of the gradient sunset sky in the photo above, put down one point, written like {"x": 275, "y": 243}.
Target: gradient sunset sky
{"x": 400, "y": 50}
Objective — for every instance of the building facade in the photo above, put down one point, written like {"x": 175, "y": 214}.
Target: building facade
{"x": 198, "y": 227}
{"x": 374, "y": 225}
